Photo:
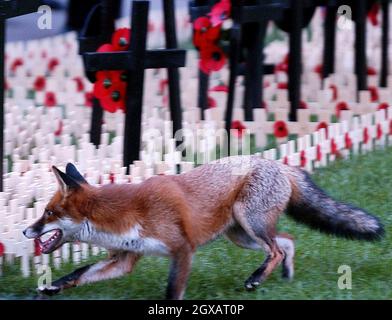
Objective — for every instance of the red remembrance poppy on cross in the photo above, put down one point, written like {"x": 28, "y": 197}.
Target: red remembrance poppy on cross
{"x": 114, "y": 101}
{"x": 39, "y": 83}
{"x": 59, "y": 129}
{"x": 16, "y": 64}
{"x": 121, "y": 39}
{"x": 373, "y": 93}
{"x": 107, "y": 47}
{"x": 79, "y": 84}
{"x": 340, "y": 106}
{"x": 334, "y": 147}
{"x": 2, "y": 249}
{"x": 365, "y": 135}
{"x": 379, "y": 131}
{"x": 50, "y": 99}
{"x": 220, "y": 88}
{"x": 303, "y": 105}
{"x": 52, "y": 64}
{"x": 319, "y": 154}
{"x": 220, "y": 12}
{"x": 212, "y": 58}
{"x": 318, "y": 69}
{"x": 373, "y": 14}
{"x": 383, "y": 106}
{"x": 303, "y": 159}
{"x": 204, "y": 33}
{"x": 371, "y": 71}
{"x": 282, "y": 85}
{"x": 238, "y": 127}
{"x": 347, "y": 141}
{"x": 334, "y": 89}
{"x": 323, "y": 125}
{"x": 163, "y": 85}
{"x": 280, "y": 129}
{"x": 211, "y": 102}
{"x": 88, "y": 99}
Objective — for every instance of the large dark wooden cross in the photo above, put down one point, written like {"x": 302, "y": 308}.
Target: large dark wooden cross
{"x": 9, "y": 9}
{"x": 135, "y": 61}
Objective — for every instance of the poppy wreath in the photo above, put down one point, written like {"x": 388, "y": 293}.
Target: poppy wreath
{"x": 110, "y": 86}
{"x": 209, "y": 36}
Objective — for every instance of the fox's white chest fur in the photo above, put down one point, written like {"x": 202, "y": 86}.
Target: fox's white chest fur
{"x": 129, "y": 241}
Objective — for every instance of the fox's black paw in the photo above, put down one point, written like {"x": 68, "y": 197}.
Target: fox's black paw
{"x": 49, "y": 291}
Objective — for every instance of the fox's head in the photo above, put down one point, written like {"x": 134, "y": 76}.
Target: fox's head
{"x": 65, "y": 213}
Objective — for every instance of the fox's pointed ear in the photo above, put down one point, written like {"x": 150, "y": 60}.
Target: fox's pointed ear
{"x": 66, "y": 182}
{"x": 71, "y": 170}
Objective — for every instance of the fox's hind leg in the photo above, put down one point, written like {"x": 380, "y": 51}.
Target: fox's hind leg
{"x": 118, "y": 264}
{"x": 285, "y": 242}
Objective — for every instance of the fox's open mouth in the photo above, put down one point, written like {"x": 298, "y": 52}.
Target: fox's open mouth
{"x": 50, "y": 241}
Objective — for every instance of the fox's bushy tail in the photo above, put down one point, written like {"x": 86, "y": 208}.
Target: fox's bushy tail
{"x": 312, "y": 206}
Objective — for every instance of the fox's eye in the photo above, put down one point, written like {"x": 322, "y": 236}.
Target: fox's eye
{"x": 49, "y": 213}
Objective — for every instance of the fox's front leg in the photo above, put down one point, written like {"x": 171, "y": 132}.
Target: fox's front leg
{"x": 117, "y": 265}
{"x": 179, "y": 273}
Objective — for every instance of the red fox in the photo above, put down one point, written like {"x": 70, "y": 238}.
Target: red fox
{"x": 174, "y": 215}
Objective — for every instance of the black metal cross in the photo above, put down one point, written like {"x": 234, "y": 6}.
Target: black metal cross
{"x": 9, "y": 9}
{"x": 135, "y": 61}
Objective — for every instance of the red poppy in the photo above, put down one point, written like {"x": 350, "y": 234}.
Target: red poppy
{"x": 280, "y": 129}
{"x": 373, "y": 14}
{"x": 284, "y": 65}
{"x": 383, "y": 106}
{"x": 334, "y": 89}
{"x": 341, "y": 106}
{"x": 373, "y": 93}
{"x": 107, "y": 47}
{"x": 211, "y": 102}
{"x": 286, "y": 160}
{"x": 162, "y": 85}
{"x": 121, "y": 38}
{"x": 379, "y": 131}
{"x": 347, "y": 141}
{"x": 88, "y": 99}
{"x": 50, "y": 99}
{"x": 365, "y": 135}
{"x": 212, "y": 58}
{"x": 16, "y": 64}
{"x": 53, "y": 63}
{"x": 59, "y": 129}
{"x": 319, "y": 154}
{"x": 318, "y": 69}
{"x": 282, "y": 85}
{"x": 303, "y": 105}
{"x": 39, "y": 83}
{"x": 238, "y": 127}
{"x": 371, "y": 71}
{"x": 204, "y": 33}
{"x": 79, "y": 84}
{"x": 111, "y": 177}
{"x": 37, "y": 248}
{"x": 105, "y": 80}
{"x": 114, "y": 101}
{"x": 303, "y": 159}
{"x": 220, "y": 88}
{"x": 334, "y": 147}
{"x": 220, "y": 12}
{"x": 323, "y": 125}
{"x": 2, "y": 249}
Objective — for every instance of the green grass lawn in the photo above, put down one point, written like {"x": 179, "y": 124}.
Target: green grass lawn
{"x": 220, "y": 268}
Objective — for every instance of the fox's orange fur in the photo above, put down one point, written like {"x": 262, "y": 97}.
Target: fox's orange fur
{"x": 174, "y": 215}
